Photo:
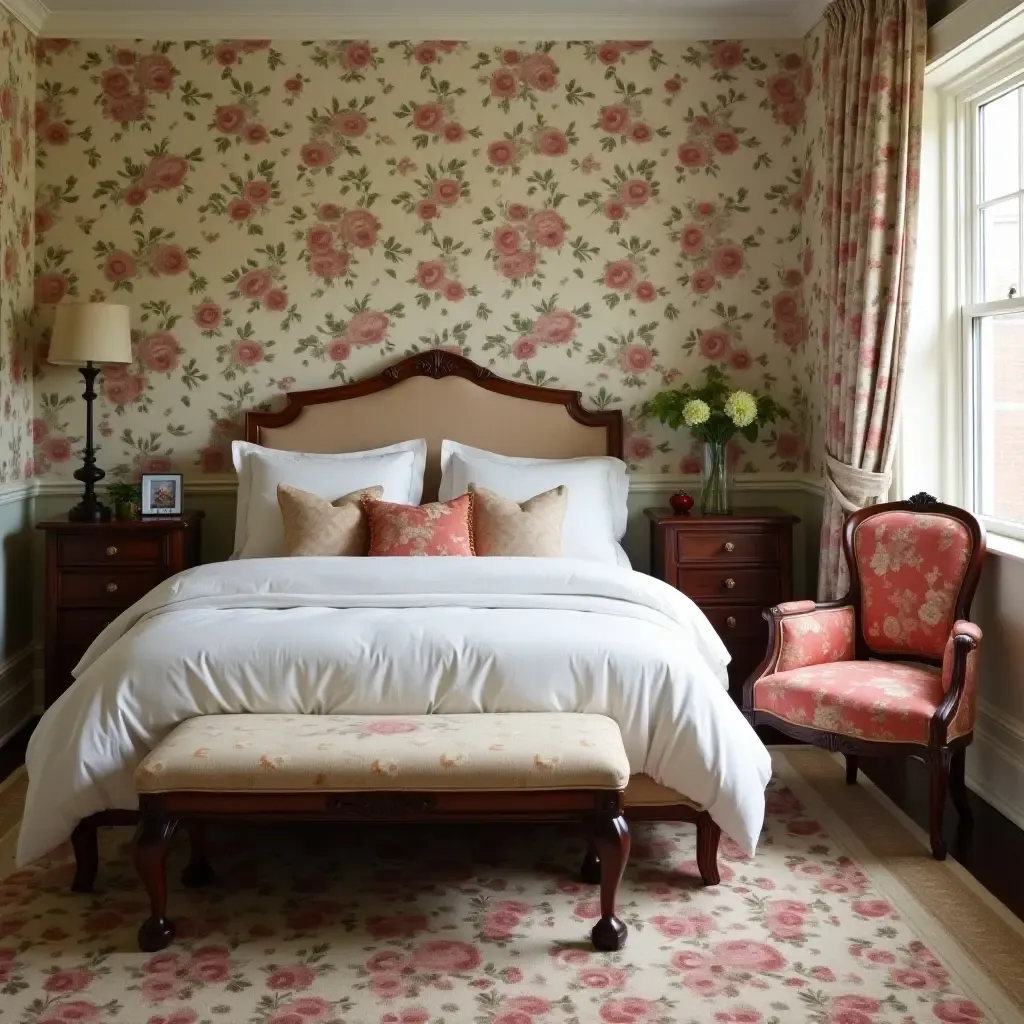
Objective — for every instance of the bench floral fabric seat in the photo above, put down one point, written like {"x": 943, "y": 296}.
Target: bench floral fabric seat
{"x": 395, "y": 768}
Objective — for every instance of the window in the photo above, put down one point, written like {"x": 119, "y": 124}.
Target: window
{"x": 993, "y": 306}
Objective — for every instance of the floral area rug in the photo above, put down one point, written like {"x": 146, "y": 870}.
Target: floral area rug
{"x": 486, "y": 925}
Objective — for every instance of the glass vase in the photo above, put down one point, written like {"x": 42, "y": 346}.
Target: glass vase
{"x": 716, "y": 480}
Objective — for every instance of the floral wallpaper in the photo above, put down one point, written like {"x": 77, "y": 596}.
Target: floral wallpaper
{"x": 17, "y": 152}
{"x": 606, "y": 216}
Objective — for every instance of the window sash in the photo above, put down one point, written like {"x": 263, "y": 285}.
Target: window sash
{"x": 971, "y": 203}
{"x": 977, "y": 432}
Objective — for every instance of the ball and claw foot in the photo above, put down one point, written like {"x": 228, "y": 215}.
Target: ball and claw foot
{"x": 590, "y": 872}
{"x": 155, "y": 934}
{"x": 197, "y": 873}
{"x": 609, "y": 935}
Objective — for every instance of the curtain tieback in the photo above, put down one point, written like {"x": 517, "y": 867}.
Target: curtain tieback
{"x": 854, "y": 488}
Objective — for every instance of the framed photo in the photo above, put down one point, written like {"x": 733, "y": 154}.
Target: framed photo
{"x": 161, "y": 494}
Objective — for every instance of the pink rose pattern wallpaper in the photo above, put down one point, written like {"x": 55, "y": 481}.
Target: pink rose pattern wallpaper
{"x": 610, "y": 217}
{"x": 17, "y": 155}
{"x": 483, "y": 925}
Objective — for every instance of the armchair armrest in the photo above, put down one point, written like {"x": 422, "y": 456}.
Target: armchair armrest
{"x": 802, "y": 634}
{"x": 959, "y": 679}
{"x": 808, "y": 634}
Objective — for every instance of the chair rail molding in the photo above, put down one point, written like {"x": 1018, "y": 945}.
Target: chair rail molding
{"x": 639, "y": 483}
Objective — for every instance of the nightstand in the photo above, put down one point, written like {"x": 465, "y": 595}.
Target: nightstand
{"x": 732, "y": 568}
{"x": 94, "y": 571}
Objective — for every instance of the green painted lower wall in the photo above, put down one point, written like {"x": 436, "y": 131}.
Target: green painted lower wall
{"x": 17, "y": 650}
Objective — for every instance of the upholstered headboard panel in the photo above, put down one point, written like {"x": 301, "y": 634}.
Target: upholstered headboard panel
{"x": 439, "y": 395}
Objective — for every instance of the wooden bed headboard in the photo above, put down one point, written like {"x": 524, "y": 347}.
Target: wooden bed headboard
{"x": 439, "y": 395}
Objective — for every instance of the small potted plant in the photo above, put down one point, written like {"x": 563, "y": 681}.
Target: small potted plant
{"x": 715, "y": 413}
{"x": 126, "y": 498}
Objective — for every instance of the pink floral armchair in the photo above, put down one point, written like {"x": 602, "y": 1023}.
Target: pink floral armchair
{"x": 892, "y": 667}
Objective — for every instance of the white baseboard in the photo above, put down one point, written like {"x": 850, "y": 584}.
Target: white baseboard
{"x": 995, "y": 762}
{"x": 17, "y": 691}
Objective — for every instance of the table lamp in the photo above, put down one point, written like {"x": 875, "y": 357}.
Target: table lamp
{"x": 85, "y": 334}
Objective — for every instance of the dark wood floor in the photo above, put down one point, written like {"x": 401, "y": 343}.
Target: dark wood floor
{"x": 993, "y": 852}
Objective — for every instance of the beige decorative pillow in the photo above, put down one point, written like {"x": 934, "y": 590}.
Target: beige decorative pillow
{"x": 315, "y": 526}
{"x": 531, "y": 528}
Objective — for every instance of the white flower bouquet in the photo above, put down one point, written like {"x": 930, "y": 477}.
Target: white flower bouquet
{"x": 714, "y": 414}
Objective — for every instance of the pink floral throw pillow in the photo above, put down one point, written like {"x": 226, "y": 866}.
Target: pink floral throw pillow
{"x": 438, "y": 528}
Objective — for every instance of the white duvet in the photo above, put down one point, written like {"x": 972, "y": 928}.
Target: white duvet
{"x": 403, "y": 636}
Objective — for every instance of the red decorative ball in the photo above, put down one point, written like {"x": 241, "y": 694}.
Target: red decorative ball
{"x": 681, "y": 503}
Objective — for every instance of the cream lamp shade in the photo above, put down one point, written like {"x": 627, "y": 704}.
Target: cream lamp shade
{"x": 96, "y": 332}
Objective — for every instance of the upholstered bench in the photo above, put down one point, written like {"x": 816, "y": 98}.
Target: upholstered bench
{"x": 413, "y": 768}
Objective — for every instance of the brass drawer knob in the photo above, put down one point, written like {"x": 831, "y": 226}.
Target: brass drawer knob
{"x": 731, "y": 622}
{"x": 729, "y": 583}
{"x": 111, "y": 588}
{"x": 729, "y": 547}
{"x": 112, "y": 550}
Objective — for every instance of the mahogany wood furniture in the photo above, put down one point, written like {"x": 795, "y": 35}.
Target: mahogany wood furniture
{"x": 94, "y": 570}
{"x": 438, "y": 395}
{"x": 731, "y": 567}
{"x": 891, "y": 668}
{"x": 492, "y": 767}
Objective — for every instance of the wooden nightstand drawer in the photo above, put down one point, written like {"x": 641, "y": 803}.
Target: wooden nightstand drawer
{"x": 96, "y": 587}
{"x": 113, "y": 549}
{"x": 742, "y": 622}
{"x": 732, "y": 567}
{"x": 94, "y": 571}
{"x": 754, "y": 586}
{"x": 80, "y": 626}
{"x": 726, "y": 545}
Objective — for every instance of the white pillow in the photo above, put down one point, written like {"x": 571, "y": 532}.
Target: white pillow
{"x": 259, "y": 529}
{"x": 595, "y": 514}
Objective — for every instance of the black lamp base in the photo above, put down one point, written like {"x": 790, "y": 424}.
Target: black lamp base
{"x": 90, "y": 509}
{"x": 89, "y": 512}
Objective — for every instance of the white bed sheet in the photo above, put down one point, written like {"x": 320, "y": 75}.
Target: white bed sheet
{"x": 402, "y": 636}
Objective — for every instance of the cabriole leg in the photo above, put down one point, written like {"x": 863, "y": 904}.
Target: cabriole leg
{"x": 958, "y": 787}
{"x": 85, "y": 843}
{"x": 197, "y": 872}
{"x": 708, "y": 836}
{"x": 938, "y": 768}
{"x": 152, "y": 843}
{"x": 590, "y": 872}
{"x": 611, "y": 841}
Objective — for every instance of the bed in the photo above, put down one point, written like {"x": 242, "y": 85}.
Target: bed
{"x": 406, "y": 635}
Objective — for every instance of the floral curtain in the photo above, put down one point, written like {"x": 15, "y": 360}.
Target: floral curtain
{"x": 874, "y": 77}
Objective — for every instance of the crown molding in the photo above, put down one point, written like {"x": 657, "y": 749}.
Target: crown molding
{"x": 168, "y": 23}
{"x": 31, "y": 13}
{"x": 807, "y": 15}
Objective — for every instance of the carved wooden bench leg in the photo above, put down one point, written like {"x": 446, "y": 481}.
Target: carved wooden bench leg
{"x": 85, "y": 843}
{"x": 152, "y": 842}
{"x": 708, "y": 836}
{"x": 197, "y": 872}
{"x": 590, "y": 872}
{"x": 611, "y": 842}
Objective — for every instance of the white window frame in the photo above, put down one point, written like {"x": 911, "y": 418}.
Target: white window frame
{"x": 962, "y": 90}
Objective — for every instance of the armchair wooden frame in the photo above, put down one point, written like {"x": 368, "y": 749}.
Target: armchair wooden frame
{"x": 945, "y": 758}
